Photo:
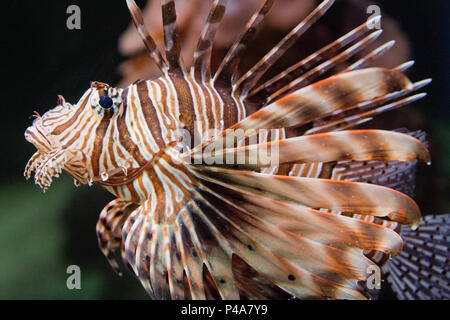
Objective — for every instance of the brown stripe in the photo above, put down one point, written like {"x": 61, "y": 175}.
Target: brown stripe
{"x": 133, "y": 194}
{"x": 327, "y": 170}
{"x": 343, "y": 91}
{"x": 171, "y": 38}
{"x": 100, "y": 132}
{"x": 124, "y": 135}
{"x": 169, "y": 14}
{"x": 159, "y": 193}
{"x": 204, "y": 45}
{"x": 36, "y": 139}
{"x": 230, "y": 114}
{"x": 136, "y": 125}
{"x": 59, "y": 129}
{"x": 111, "y": 155}
{"x": 142, "y": 187}
{"x": 185, "y": 103}
{"x": 164, "y": 104}
{"x": 208, "y": 105}
{"x": 198, "y": 63}
{"x": 216, "y": 104}
{"x": 217, "y": 14}
{"x": 150, "y": 115}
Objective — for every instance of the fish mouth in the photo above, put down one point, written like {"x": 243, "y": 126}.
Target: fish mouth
{"x": 38, "y": 139}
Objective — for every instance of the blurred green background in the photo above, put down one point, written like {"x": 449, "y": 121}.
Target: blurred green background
{"x": 42, "y": 234}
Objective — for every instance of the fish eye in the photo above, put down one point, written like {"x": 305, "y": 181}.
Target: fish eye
{"x": 105, "y": 102}
{"x": 104, "y": 99}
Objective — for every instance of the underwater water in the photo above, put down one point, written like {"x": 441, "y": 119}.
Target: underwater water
{"x": 42, "y": 234}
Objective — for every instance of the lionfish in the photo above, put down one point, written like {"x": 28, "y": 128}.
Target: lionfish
{"x": 193, "y": 225}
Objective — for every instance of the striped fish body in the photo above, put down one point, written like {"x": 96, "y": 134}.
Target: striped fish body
{"x": 171, "y": 103}
{"x": 192, "y": 228}
{"x": 149, "y": 118}
{"x": 163, "y": 118}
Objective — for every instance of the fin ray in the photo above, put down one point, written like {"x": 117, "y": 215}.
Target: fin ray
{"x": 248, "y": 80}
{"x": 171, "y": 37}
{"x": 366, "y": 199}
{"x": 303, "y": 66}
{"x": 109, "y": 228}
{"x": 202, "y": 55}
{"x": 228, "y": 68}
{"x": 325, "y": 147}
{"x": 150, "y": 44}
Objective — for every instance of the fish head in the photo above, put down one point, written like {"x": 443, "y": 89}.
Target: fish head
{"x": 67, "y": 136}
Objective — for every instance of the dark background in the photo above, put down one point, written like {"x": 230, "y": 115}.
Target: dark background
{"x": 40, "y": 235}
